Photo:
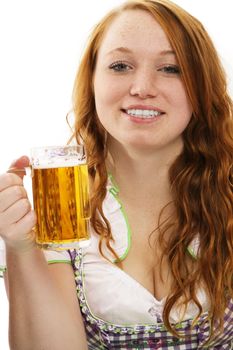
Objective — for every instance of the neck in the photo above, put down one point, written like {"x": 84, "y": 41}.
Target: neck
{"x": 143, "y": 182}
{"x": 140, "y": 168}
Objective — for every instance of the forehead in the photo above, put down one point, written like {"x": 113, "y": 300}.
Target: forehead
{"x": 134, "y": 29}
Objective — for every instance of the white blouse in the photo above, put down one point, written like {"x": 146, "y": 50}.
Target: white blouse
{"x": 113, "y": 295}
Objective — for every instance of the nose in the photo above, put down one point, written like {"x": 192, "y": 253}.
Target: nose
{"x": 143, "y": 85}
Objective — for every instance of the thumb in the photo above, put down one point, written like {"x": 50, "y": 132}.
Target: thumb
{"x": 18, "y": 166}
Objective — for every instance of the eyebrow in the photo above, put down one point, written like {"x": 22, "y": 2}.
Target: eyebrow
{"x": 167, "y": 52}
{"x": 127, "y": 50}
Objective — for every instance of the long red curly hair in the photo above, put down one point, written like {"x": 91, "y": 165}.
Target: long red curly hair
{"x": 201, "y": 177}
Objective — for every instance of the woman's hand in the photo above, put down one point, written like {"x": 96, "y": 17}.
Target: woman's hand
{"x": 16, "y": 216}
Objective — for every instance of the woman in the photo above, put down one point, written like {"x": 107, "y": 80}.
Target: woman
{"x": 152, "y": 108}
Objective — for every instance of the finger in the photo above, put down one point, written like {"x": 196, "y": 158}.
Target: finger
{"x": 8, "y": 180}
{"x": 22, "y": 233}
{"x": 21, "y": 162}
{"x": 25, "y": 224}
{"x": 14, "y": 213}
{"x": 11, "y": 195}
{"x": 18, "y": 166}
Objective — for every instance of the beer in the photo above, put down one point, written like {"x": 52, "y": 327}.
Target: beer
{"x": 61, "y": 203}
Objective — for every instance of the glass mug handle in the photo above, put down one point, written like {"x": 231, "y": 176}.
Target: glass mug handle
{"x": 27, "y": 171}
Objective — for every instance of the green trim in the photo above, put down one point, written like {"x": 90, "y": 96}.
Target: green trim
{"x": 2, "y": 271}
{"x": 191, "y": 252}
{"x": 114, "y": 190}
{"x": 114, "y": 185}
{"x": 58, "y": 261}
{"x": 129, "y": 232}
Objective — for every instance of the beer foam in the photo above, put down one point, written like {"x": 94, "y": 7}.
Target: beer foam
{"x": 58, "y": 164}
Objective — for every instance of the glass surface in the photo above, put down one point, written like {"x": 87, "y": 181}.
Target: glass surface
{"x": 61, "y": 197}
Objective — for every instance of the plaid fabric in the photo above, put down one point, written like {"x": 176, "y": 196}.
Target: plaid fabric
{"x": 102, "y": 335}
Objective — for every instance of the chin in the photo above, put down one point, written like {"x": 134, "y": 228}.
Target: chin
{"x": 141, "y": 145}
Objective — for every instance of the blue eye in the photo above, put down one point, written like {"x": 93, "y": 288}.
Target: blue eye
{"x": 119, "y": 66}
{"x": 170, "y": 69}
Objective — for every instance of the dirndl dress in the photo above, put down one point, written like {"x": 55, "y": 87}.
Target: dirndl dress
{"x": 103, "y": 335}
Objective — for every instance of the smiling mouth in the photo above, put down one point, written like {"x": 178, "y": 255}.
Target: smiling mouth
{"x": 143, "y": 113}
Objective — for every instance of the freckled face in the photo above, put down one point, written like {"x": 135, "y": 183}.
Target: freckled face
{"x": 140, "y": 97}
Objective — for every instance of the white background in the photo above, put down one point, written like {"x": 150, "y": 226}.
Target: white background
{"x": 41, "y": 43}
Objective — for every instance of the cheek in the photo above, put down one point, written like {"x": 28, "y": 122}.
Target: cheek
{"x": 103, "y": 100}
{"x": 181, "y": 101}
{"x": 108, "y": 89}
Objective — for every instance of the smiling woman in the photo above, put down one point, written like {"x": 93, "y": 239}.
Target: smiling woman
{"x": 147, "y": 105}
{"x": 158, "y": 138}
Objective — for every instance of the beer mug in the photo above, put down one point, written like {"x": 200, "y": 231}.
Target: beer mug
{"x": 60, "y": 193}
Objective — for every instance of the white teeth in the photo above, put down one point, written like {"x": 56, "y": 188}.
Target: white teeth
{"x": 143, "y": 113}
